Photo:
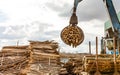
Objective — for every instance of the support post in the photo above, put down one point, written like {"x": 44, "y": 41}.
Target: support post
{"x": 89, "y": 47}
{"x": 97, "y": 68}
{"x": 17, "y": 43}
{"x": 104, "y": 47}
{"x": 115, "y": 64}
{"x": 118, "y": 44}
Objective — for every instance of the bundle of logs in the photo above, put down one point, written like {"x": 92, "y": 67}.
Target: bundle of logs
{"x": 38, "y": 58}
{"x": 105, "y": 64}
{"x": 72, "y": 35}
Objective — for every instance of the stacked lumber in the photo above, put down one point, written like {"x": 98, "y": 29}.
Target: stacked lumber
{"x": 44, "y": 58}
{"x": 13, "y": 59}
{"x": 15, "y": 51}
{"x": 105, "y": 63}
{"x": 38, "y": 58}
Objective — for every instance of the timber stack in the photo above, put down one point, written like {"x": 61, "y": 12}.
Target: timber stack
{"x": 105, "y": 63}
{"x": 44, "y": 58}
{"x": 38, "y": 58}
{"x": 13, "y": 59}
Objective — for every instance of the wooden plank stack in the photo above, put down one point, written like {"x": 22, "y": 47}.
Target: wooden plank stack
{"x": 44, "y": 58}
{"x": 38, "y": 58}
{"x": 13, "y": 59}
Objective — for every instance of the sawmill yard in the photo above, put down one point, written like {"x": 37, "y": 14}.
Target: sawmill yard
{"x": 37, "y": 58}
{"x": 58, "y": 46}
{"x": 44, "y": 58}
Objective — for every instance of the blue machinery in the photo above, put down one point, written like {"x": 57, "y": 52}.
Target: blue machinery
{"x": 111, "y": 31}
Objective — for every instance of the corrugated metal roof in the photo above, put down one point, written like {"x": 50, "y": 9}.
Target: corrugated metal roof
{"x": 108, "y": 23}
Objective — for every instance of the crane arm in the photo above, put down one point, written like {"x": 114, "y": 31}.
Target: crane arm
{"x": 73, "y": 19}
{"x": 113, "y": 16}
{"x": 76, "y": 2}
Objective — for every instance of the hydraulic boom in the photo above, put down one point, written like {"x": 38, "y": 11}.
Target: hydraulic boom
{"x": 114, "y": 30}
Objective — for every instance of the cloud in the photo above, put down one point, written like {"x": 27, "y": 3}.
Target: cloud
{"x": 32, "y": 29}
{"x": 91, "y": 9}
{"x": 3, "y": 17}
{"x": 117, "y": 5}
{"x": 63, "y": 10}
{"x": 2, "y": 29}
{"x": 3, "y": 34}
{"x": 54, "y": 33}
{"x": 24, "y": 12}
{"x": 23, "y": 33}
{"x": 87, "y": 9}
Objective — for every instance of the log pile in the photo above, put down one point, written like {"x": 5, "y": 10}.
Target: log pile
{"x": 105, "y": 64}
{"x": 44, "y": 58}
{"x": 73, "y": 66}
{"x": 38, "y": 58}
{"x": 13, "y": 59}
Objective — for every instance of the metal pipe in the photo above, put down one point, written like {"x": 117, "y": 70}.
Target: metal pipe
{"x": 89, "y": 47}
{"x": 76, "y": 3}
{"x": 74, "y": 19}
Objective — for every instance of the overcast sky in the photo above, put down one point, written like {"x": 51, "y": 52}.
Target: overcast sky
{"x": 42, "y": 20}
